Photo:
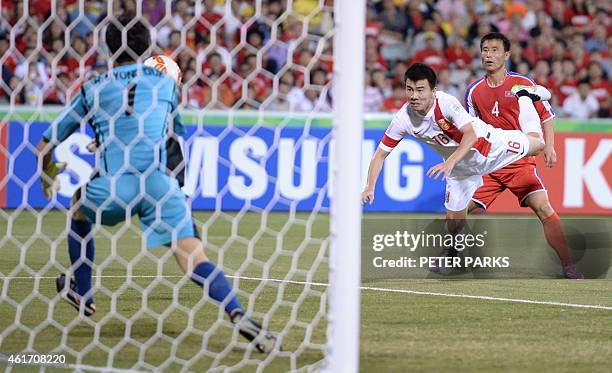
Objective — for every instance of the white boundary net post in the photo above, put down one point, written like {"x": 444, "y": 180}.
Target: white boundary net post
{"x": 345, "y": 255}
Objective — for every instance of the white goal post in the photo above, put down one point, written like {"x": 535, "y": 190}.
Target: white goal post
{"x": 345, "y": 254}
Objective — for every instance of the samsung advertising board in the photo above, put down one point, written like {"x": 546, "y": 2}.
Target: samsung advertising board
{"x": 286, "y": 166}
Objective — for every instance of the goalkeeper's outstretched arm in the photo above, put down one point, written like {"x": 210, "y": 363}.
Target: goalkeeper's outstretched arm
{"x": 376, "y": 164}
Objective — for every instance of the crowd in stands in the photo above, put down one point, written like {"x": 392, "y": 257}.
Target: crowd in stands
{"x": 234, "y": 55}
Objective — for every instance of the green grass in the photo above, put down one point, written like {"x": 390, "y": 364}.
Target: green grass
{"x": 399, "y": 331}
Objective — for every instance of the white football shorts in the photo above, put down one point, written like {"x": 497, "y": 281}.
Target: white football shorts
{"x": 506, "y": 147}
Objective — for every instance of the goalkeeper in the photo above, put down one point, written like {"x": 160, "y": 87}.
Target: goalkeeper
{"x": 128, "y": 108}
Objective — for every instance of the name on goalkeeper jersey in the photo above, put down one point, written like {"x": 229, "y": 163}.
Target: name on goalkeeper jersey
{"x": 412, "y": 241}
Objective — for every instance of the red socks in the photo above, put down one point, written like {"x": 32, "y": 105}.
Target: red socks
{"x": 556, "y": 238}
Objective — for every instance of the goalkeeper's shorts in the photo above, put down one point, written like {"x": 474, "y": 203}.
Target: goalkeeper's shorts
{"x": 156, "y": 199}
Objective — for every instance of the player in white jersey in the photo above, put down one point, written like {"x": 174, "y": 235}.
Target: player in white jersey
{"x": 470, "y": 147}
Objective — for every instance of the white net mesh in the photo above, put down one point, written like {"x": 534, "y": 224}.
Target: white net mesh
{"x": 255, "y": 73}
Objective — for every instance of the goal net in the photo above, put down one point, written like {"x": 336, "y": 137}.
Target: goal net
{"x": 261, "y": 146}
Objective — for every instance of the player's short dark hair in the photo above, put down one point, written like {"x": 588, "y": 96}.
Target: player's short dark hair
{"x": 419, "y": 71}
{"x": 138, "y": 38}
{"x": 496, "y": 36}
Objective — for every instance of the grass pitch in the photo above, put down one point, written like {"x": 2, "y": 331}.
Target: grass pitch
{"x": 135, "y": 328}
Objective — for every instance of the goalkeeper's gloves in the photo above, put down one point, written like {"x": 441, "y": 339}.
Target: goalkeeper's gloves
{"x": 93, "y": 146}
{"x": 48, "y": 178}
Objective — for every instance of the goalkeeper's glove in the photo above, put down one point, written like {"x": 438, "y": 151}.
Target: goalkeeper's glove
{"x": 49, "y": 184}
{"x": 93, "y": 146}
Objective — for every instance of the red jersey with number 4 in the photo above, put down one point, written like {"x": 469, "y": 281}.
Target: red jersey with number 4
{"x": 499, "y": 107}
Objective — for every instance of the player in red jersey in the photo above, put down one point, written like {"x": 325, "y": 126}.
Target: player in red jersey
{"x": 493, "y": 98}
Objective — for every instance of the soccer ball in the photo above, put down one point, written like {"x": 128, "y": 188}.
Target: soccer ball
{"x": 166, "y": 65}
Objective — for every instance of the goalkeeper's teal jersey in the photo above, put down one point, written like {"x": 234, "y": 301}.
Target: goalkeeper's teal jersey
{"x": 129, "y": 109}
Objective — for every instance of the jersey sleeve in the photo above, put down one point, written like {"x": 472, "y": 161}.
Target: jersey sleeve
{"x": 177, "y": 121}
{"x": 394, "y": 133}
{"x": 67, "y": 121}
{"x": 452, "y": 110}
{"x": 469, "y": 103}
{"x": 544, "y": 110}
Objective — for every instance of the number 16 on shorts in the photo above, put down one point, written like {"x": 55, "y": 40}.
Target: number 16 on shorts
{"x": 514, "y": 147}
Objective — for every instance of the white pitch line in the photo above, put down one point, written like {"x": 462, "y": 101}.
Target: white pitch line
{"x": 485, "y": 297}
{"x": 368, "y": 288}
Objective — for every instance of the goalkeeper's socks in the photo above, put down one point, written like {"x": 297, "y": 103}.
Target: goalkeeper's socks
{"x": 82, "y": 272}
{"x": 556, "y": 238}
{"x": 219, "y": 288}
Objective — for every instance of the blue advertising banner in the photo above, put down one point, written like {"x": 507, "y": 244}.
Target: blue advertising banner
{"x": 238, "y": 167}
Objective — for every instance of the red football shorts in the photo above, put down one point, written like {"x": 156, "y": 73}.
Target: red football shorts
{"x": 521, "y": 181}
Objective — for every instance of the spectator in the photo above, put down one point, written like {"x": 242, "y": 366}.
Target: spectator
{"x": 605, "y": 108}
{"x": 213, "y": 65}
{"x": 559, "y": 50}
{"x": 154, "y": 10}
{"x": 445, "y": 84}
{"x": 450, "y": 9}
{"x": 579, "y": 14}
{"x": 380, "y": 81}
{"x": 374, "y": 59}
{"x": 288, "y": 96}
{"x": 86, "y": 21}
{"x": 315, "y": 97}
{"x": 429, "y": 30}
{"x": 276, "y": 55}
{"x": 250, "y": 102}
{"x": 543, "y": 78}
{"x": 54, "y": 61}
{"x": 34, "y": 85}
{"x": 174, "y": 44}
{"x": 457, "y": 54}
{"x": 394, "y": 20}
{"x": 558, "y": 12}
{"x": 539, "y": 49}
{"x": 581, "y": 104}
{"x": 210, "y": 17}
{"x": 295, "y": 94}
{"x": 181, "y": 16}
{"x": 9, "y": 60}
{"x": 193, "y": 94}
{"x": 523, "y": 68}
{"x": 7, "y": 68}
{"x": 430, "y": 54}
{"x": 80, "y": 47}
{"x": 32, "y": 61}
{"x": 568, "y": 84}
{"x": 374, "y": 26}
{"x": 600, "y": 85}
{"x": 310, "y": 8}
{"x": 55, "y": 31}
{"x": 372, "y": 97}
{"x": 224, "y": 97}
{"x": 597, "y": 42}
{"x": 415, "y": 16}
{"x": 396, "y": 100}
{"x": 397, "y": 75}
